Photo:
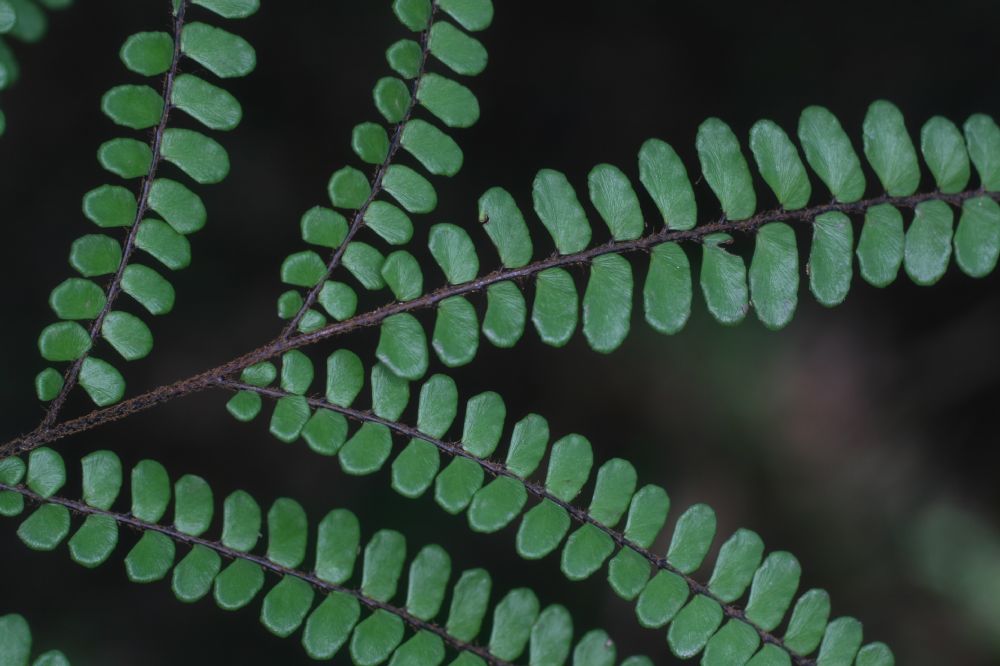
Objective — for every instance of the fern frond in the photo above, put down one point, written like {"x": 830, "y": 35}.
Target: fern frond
{"x": 519, "y": 625}
{"x": 701, "y": 617}
{"x": 15, "y": 643}
{"x": 369, "y": 201}
{"x": 770, "y": 286}
{"x": 113, "y": 206}
{"x": 25, "y": 21}
{"x": 883, "y": 246}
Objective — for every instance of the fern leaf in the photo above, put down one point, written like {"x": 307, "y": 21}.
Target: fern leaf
{"x": 729, "y": 618}
{"x": 384, "y": 202}
{"x": 730, "y": 288}
{"x": 111, "y": 206}
{"x": 15, "y": 645}
{"x": 361, "y": 619}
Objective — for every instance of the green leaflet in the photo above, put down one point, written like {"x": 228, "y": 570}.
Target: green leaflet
{"x": 977, "y": 239}
{"x": 285, "y": 606}
{"x": 554, "y": 313}
{"x": 927, "y": 248}
{"x": 560, "y": 211}
{"x": 512, "y": 622}
{"x": 774, "y": 275}
{"x": 472, "y": 15}
{"x": 76, "y": 298}
{"x": 890, "y": 150}
{"x": 402, "y": 346}
{"x": 693, "y": 626}
{"x": 780, "y": 165}
{"x": 667, "y": 292}
{"x": 735, "y": 566}
{"x": 221, "y": 52}
{"x": 454, "y": 252}
{"x": 773, "y": 587}
{"x": 585, "y": 552}
{"x": 148, "y": 53}
{"x": 133, "y": 106}
{"x": 435, "y": 150}
{"x": 607, "y": 303}
{"x": 841, "y": 641}
{"x": 348, "y": 188}
{"x": 456, "y": 335}
{"x": 210, "y": 105}
{"x": 409, "y": 188}
{"x": 102, "y": 382}
{"x": 541, "y": 530}
{"x": 451, "y": 102}
{"x": 662, "y": 173}
{"x": 94, "y": 542}
{"x": 726, "y": 169}
{"x": 414, "y": 14}
{"x": 428, "y": 581}
{"x": 110, "y": 206}
{"x": 128, "y": 335}
{"x": 180, "y": 207}
{"x": 367, "y": 450}
{"x": 389, "y": 222}
{"x": 692, "y": 538}
{"x": 404, "y": 57}
{"x": 94, "y": 255}
{"x": 365, "y": 264}
{"x": 469, "y": 603}
{"x": 200, "y": 157}
{"x": 734, "y": 643}
{"x": 231, "y": 9}
{"x": 193, "y": 576}
{"x": 830, "y": 258}
{"x": 330, "y": 625}
{"x": 126, "y": 158}
{"x": 724, "y": 281}
{"x": 982, "y": 136}
{"x": 505, "y": 226}
{"x": 287, "y": 529}
{"x": 159, "y": 240}
{"x": 809, "y": 618}
{"x": 401, "y": 271}
{"x": 880, "y": 248}
{"x": 392, "y": 99}
{"x": 463, "y": 54}
{"x": 551, "y": 636}
{"x": 506, "y": 314}
{"x": 616, "y": 201}
{"x": 370, "y": 142}
{"x": 943, "y": 148}
{"x": 46, "y": 472}
{"x": 150, "y": 289}
{"x": 241, "y": 521}
{"x": 830, "y": 154}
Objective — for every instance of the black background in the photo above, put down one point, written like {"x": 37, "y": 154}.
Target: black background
{"x": 847, "y": 438}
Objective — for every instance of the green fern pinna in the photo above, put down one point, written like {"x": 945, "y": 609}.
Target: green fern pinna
{"x": 367, "y": 593}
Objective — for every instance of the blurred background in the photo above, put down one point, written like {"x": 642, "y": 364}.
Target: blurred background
{"x": 863, "y": 439}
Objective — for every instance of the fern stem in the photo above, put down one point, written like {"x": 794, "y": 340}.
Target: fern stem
{"x": 359, "y": 216}
{"x": 322, "y": 586}
{"x": 212, "y": 376}
{"x": 115, "y": 287}
{"x": 497, "y": 469}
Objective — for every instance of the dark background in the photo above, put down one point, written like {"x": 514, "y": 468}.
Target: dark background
{"x": 861, "y": 439}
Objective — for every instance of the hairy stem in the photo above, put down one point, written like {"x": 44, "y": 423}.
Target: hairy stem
{"x": 114, "y": 289}
{"x": 322, "y": 586}
{"x": 375, "y": 317}
{"x": 536, "y": 490}
{"x": 376, "y": 186}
